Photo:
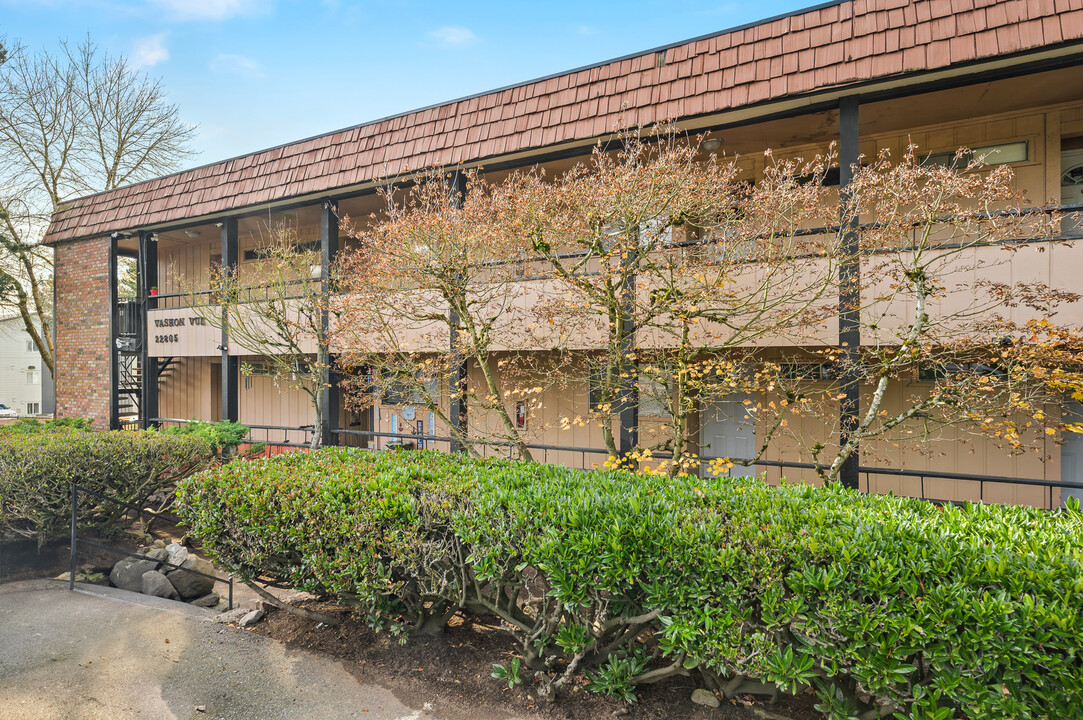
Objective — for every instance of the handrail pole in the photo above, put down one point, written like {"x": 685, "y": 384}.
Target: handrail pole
{"x": 74, "y": 535}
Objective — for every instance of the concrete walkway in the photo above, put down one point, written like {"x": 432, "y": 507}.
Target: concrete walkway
{"x": 105, "y": 653}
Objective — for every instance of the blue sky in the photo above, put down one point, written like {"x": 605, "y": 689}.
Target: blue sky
{"x": 256, "y": 73}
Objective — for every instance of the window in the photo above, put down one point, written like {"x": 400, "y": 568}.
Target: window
{"x": 989, "y": 154}
{"x": 261, "y": 253}
{"x": 806, "y": 371}
{"x": 33, "y": 377}
{"x": 949, "y": 370}
{"x": 33, "y": 408}
{"x": 404, "y": 390}
{"x": 654, "y": 397}
{"x": 30, "y": 347}
{"x": 597, "y": 393}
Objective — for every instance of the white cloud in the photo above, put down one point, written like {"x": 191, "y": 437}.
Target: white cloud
{"x": 150, "y": 51}
{"x": 211, "y": 9}
{"x": 454, "y": 36}
{"x": 237, "y": 65}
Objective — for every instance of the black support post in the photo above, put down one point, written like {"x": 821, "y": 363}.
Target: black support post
{"x": 849, "y": 291}
{"x": 230, "y": 364}
{"x": 328, "y": 250}
{"x": 114, "y": 333}
{"x": 147, "y": 272}
{"x": 459, "y": 370}
{"x": 629, "y": 406}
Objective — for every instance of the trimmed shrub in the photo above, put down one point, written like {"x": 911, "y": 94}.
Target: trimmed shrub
{"x": 30, "y": 426}
{"x": 37, "y": 471}
{"x": 881, "y": 605}
{"x": 224, "y": 435}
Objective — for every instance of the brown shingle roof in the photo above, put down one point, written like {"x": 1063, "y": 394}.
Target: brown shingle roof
{"x": 829, "y": 45}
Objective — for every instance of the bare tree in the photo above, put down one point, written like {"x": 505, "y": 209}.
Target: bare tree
{"x": 71, "y": 123}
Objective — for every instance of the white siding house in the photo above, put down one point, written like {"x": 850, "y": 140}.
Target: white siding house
{"x": 25, "y": 383}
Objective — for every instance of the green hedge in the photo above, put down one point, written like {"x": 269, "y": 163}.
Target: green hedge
{"x": 37, "y": 470}
{"x": 32, "y": 426}
{"x": 881, "y": 605}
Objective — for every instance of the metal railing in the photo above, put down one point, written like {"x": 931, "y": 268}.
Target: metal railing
{"x": 76, "y": 490}
{"x": 867, "y": 471}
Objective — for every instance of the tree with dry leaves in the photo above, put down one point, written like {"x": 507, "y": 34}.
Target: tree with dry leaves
{"x": 71, "y": 123}
{"x": 681, "y": 268}
{"x": 948, "y": 337}
{"x": 438, "y": 267}
{"x": 274, "y": 310}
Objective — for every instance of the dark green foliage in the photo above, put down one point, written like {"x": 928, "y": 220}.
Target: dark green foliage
{"x": 881, "y": 605}
{"x": 224, "y": 435}
{"x": 37, "y": 470}
{"x": 30, "y": 426}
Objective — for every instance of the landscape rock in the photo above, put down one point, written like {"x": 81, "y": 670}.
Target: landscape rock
{"x": 128, "y": 573}
{"x": 704, "y": 697}
{"x": 251, "y": 618}
{"x": 94, "y": 578}
{"x": 188, "y": 584}
{"x": 157, "y": 554}
{"x": 232, "y": 616}
{"x": 158, "y": 585}
{"x": 177, "y": 554}
{"x": 207, "y": 601}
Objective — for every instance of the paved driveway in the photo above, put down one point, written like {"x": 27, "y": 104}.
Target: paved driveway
{"x": 105, "y": 653}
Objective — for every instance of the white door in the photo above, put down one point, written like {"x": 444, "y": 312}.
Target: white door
{"x": 727, "y": 430}
{"x": 1071, "y": 454}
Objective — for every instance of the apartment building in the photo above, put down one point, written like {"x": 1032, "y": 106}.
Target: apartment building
{"x": 866, "y": 74}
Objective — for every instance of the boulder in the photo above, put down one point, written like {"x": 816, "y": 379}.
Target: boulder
{"x": 232, "y": 616}
{"x": 158, "y": 585}
{"x": 251, "y": 618}
{"x": 704, "y": 697}
{"x": 188, "y": 584}
{"x": 128, "y": 573}
{"x": 207, "y": 601}
{"x": 177, "y": 554}
{"x": 157, "y": 554}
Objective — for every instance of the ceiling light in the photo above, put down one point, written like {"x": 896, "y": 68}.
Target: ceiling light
{"x": 712, "y": 144}
{"x": 192, "y": 233}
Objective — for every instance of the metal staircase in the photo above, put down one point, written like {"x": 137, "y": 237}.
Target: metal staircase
{"x": 130, "y": 386}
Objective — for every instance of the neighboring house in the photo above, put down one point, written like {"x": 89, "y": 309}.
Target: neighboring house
{"x": 938, "y": 73}
{"x": 26, "y": 385}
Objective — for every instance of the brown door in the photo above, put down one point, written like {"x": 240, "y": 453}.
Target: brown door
{"x": 216, "y": 392}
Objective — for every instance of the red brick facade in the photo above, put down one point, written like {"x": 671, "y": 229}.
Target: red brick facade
{"x": 82, "y": 330}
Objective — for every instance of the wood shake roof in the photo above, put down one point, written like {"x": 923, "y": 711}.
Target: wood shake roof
{"x": 826, "y": 46}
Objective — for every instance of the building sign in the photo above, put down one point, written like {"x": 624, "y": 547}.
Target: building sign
{"x": 179, "y": 332}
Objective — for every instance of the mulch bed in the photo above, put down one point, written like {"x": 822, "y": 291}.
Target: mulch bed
{"x": 453, "y": 671}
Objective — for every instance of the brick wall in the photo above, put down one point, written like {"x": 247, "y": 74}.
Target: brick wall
{"x": 82, "y": 330}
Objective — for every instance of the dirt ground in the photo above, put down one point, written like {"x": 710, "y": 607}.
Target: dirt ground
{"x": 458, "y": 666}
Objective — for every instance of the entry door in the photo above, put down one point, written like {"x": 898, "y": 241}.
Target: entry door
{"x": 216, "y": 392}
{"x": 1071, "y": 188}
{"x": 727, "y": 430}
{"x": 1071, "y": 453}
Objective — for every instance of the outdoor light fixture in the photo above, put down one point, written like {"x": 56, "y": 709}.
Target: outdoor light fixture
{"x": 712, "y": 144}
{"x": 192, "y": 233}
